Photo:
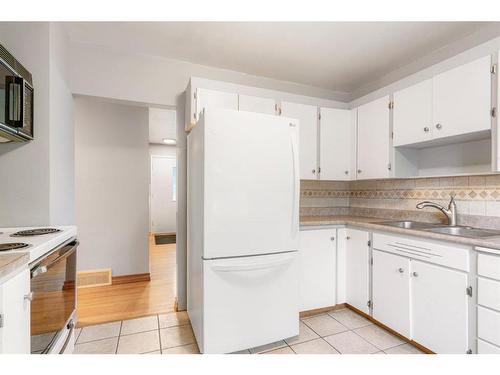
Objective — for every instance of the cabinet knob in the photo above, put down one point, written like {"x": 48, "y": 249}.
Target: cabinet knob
{"x": 426, "y": 129}
{"x": 415, "y": 274}
{"x": 439, "y": 126}
{"x": 313, "y": 171}
{"x": 332, "y": 238}
{"x": 359, "y": 171}
{"x": 348, "y": 238}
{"x": 346, "y": 172}
{"x": 29, "y": 296}
{"x": 401, "y": 270}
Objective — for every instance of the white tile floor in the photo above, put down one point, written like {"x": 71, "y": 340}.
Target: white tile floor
{"x": 336, "y": 332}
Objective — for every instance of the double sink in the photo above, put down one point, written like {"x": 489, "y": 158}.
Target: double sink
{"x": 461, "y": 231}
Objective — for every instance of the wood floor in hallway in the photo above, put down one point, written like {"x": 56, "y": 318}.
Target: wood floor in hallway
{"x": 125, "y": 301}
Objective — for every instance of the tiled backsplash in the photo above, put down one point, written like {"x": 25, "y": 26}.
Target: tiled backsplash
{"x": 477, "y": 197}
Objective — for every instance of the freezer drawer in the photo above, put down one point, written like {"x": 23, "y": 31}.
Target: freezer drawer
{"x": 249, "y": 301}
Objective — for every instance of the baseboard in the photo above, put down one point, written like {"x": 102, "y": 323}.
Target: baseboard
{"x": 125, "y": 279}
{"x": 306, "y": 313}
{"x": 376, "y": 322}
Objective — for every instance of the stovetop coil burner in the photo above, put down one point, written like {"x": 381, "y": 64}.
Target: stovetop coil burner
{"x": 12, "y": 246}
{"x": 35, "y": 232}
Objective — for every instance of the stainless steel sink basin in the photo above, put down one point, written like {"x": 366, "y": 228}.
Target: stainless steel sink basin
{"x": 408, "y": 224}
{"x": 464, "y": 231}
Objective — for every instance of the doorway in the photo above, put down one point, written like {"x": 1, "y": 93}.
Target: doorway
{"x": 163, "y": 196}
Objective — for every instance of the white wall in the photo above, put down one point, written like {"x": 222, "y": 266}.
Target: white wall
{"x": 112, "y": 186}
{"x": 163, "y": 150}
{"x": 25, "y": 167}
{"x": 38, "y": 175}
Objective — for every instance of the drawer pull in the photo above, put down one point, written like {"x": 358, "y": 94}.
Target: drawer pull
{"x": 415, "y": 274}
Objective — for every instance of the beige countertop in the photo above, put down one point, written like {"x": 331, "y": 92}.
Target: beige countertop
{"x": 372, "y": 223}
{"x": 11, "y": 262}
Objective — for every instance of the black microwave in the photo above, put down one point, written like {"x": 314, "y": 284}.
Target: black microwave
{"x": 16, "y": 100}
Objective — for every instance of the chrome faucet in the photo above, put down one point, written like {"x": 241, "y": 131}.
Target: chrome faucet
{"x": 450, "y": 212}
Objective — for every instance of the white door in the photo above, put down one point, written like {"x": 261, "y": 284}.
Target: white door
{"x": 256, "y": 104}
{"x": 391, "y": 291}
{"x": 206, "y": 98}
{"x": 251, "y": 184}
{"x": 439, "y": 308}
{"x": 308, "y": 136}
{"x": 15, "y": 311}
{"x": 249, "y": 301}
{"x": 357, "y": 257}
{"x": 462, "y": 99}
{"x": 336, "y": 144}
{"x": 163, "y": 194}
{"x": 317, "y": 268}
{"x": 373, "y": 139}
{"x": 413, "y": 114}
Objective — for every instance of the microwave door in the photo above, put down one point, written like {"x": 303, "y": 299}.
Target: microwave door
{"x": 14, "y": 98}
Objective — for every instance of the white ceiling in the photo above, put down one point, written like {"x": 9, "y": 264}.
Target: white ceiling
{"x": 162, "y": 125}
{"x": 340, "y": 56}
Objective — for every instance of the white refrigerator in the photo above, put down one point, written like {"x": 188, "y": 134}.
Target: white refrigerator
{"x": 243, "y": 226}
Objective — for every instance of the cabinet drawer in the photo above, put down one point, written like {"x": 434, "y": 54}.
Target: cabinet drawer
{"x": 488, "y": 265}
{"x": 488, "y": 325}
{"x": 484, "y": 347}
{"x": 454, "y": 256}
{"x": 488, "y": 293}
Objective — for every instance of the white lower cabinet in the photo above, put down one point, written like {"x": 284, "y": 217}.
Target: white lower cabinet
{"x": 317, "y": 268}
{"x": 439, "y": 308}
{"x": 391, "y": 291}
{"x": 357, "y": 268}
{"x": 15, "y": 314}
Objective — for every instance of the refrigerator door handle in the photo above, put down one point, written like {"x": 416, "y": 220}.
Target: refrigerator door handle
{"x": 251, "y": 267}
{"x": 296, "y": 182}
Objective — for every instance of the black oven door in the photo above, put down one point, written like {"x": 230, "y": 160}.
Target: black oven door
{"x": 53, "y": 284}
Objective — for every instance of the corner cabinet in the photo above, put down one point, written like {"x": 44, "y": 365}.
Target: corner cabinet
{"x": 374, "y": 140}
{"x": 15, "y": 314}
{"x": 308, "y": 136}
{"x": 354, "y": 260}
{"x": 317, "y": 268}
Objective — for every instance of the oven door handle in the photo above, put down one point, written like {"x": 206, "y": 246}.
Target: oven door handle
{"x": 42, "y": 269}
{"x": 71, "y": 327}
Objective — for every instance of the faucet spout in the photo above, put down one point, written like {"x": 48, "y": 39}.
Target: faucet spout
{"x": 450, "y": 212}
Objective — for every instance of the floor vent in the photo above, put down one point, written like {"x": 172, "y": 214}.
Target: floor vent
{"x": 86, "y": 279}
{"x": 163, "y": 239}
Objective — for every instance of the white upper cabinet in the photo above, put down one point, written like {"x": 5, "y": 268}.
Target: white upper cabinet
{"x": 308, "y": 136}
{"x": 206, "y": 98}
{"x": 373, "y": 139}
{"x": 413, "y": 114}
{"x": 336, "y": 144}
{"x": 462, "y": 99}
{"x": 256, "y": 104}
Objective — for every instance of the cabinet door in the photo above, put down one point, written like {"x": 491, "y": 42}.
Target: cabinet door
{"x": 335, "y": 144}
{"x": 357, "y": 269}
{"x": 317, "y": 265}
{"x": 391, "y": 291}
{"x": 256, "y": 104}
{"x": 15, "y": 310}
{"x": 439, "y": 308}
{"x": 206, "y": 98}
{"x": 373, "y": 139}
{"x": 413, "y": 114}
{"x": 308, "y": 136}
{"x": 462, "y": 99}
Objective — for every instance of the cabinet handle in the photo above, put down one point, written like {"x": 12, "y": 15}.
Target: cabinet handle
{"x": 401, "y": 270}
{"x": 29, "y": 296}
{"x": 426, "y": 129}
{"x": 415, "y": 274}
{"x": 439, "y": 126}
